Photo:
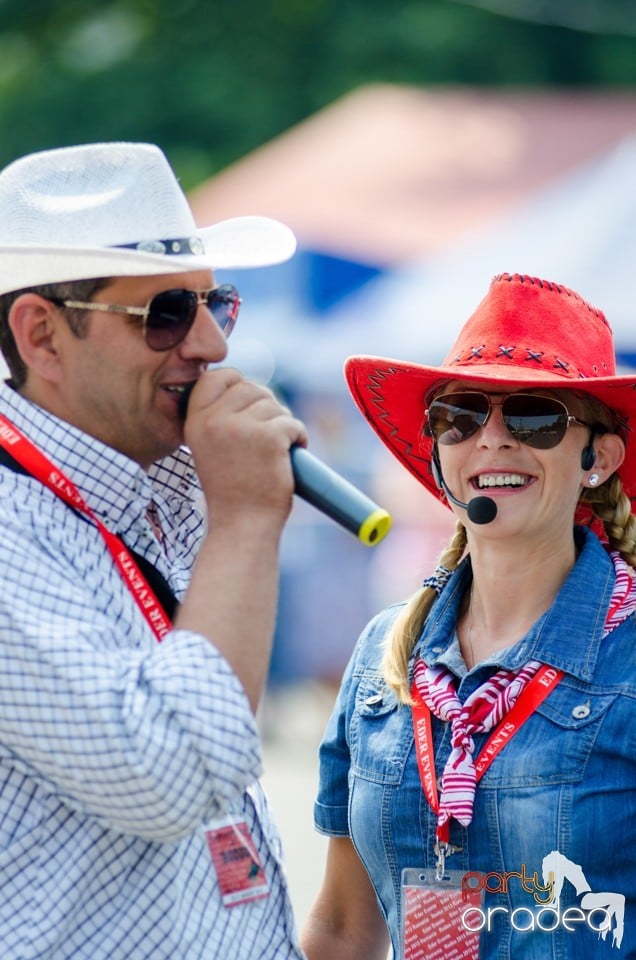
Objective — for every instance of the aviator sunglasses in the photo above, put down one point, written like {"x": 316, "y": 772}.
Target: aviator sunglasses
{"x": 539, "y": 422}
{"x": 168, "y": 317}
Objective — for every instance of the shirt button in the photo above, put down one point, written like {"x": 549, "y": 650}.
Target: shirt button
{"x": 582, "y": 711}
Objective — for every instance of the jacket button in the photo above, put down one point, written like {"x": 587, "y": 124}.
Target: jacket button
{"x": 582, "y": 711}
{"x": 374, "y": 700}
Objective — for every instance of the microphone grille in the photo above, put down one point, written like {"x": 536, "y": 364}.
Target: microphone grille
{"x": 482, "y": 510}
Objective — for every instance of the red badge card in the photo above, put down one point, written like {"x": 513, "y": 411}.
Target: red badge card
{"x": 238, "y": 867}
{"x": 433, "y": 912}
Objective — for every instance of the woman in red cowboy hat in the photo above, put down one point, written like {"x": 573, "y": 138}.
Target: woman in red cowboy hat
{"x": 477, "y": 777}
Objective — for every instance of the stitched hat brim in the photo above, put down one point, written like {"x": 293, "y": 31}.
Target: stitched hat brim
{"x": 237, "y": 243}
{"x": 392, "y": 395}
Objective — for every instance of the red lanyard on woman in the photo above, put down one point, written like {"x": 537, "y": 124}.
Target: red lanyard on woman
{"x": 39, "y": 466}
{"x": 531, "y": 697}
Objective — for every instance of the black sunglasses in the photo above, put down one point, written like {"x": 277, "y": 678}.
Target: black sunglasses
{"x": 168, "y": 317}
{"x": 537, "y": 421}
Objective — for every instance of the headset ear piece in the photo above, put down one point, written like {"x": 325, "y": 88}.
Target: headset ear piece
{"x": 588, "y": 456}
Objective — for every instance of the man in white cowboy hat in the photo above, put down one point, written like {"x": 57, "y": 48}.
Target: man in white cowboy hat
{"x": 134, "y": 637}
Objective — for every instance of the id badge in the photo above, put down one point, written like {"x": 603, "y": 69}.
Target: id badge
{"x": 433, "y": 912}
{"x": 238, "y": 867}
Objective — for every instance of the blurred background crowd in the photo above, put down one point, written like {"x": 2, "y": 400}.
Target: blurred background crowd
{"x": 416, "y": 148}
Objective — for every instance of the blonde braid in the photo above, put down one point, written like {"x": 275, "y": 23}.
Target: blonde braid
{"x": 406, "y": 630}
{"x": 612, "y": 506}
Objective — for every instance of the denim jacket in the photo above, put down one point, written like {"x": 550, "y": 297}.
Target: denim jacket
{"x": 564, "y": 785}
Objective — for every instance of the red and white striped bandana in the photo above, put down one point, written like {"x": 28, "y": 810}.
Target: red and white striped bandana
{"x": 487, "y": 705}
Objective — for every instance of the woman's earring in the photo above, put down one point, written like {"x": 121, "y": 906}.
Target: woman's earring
{"x": 593, "y": 479}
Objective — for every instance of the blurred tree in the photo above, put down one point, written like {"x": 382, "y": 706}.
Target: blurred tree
{"x": 211, "y": 80}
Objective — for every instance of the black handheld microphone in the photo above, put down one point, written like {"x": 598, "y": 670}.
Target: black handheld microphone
{"x": 326, "y": 490}
{"x": 330, "y": 493}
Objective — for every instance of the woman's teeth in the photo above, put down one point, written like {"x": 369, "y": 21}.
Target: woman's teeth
{"x": 502, "y": 480}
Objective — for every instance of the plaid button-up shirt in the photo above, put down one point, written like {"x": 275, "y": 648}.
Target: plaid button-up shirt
{"x": 115, "y": 750}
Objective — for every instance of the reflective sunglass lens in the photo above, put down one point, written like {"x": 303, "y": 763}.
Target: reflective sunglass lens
{"x": 224, "y": 303}
{"x": 456, "y": 417}
{"x": 539, "y": 422}
{"x": 170, "y": 316}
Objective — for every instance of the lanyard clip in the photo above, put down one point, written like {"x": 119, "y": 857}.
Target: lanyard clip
{"x": 443, "y": 849}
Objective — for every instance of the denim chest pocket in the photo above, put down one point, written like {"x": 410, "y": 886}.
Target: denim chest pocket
{"x": 380, "y": 734}
{"x": 555, "y": 743}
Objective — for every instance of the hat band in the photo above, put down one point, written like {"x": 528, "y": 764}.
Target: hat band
{"x": 175, "y": 247}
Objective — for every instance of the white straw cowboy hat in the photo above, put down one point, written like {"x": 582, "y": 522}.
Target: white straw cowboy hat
{"x": 115, "y": 209}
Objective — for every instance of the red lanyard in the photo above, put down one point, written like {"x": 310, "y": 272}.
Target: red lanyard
{"x": 40, "y": 467}
{"x": 530, "y": 698}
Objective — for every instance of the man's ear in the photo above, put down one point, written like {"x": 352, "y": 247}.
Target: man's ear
{"x": 35, "y": 322}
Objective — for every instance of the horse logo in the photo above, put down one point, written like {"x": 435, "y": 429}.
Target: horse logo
{"x": 556, "y": 868}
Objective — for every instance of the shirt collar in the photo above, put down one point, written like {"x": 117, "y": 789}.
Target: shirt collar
{"x": 567, "y": 636}
{"x": 108, "y": 480}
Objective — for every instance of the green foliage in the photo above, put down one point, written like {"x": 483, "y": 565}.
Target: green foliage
{"x": 211, "y": 80}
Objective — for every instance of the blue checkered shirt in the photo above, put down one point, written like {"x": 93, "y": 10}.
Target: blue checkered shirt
{"x": 115, "y": 750}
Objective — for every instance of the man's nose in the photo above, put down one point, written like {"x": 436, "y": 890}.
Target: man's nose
{"x": 205, "y": 339}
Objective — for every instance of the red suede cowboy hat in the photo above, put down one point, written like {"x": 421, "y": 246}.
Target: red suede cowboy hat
{"x": 526, "y": 332}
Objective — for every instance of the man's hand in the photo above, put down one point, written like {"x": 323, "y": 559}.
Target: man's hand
{"x": 240, "y": 436}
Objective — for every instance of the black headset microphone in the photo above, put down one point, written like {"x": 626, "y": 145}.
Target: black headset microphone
{"x": 479, "y": 509}
{"x": 330, "y": 493}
